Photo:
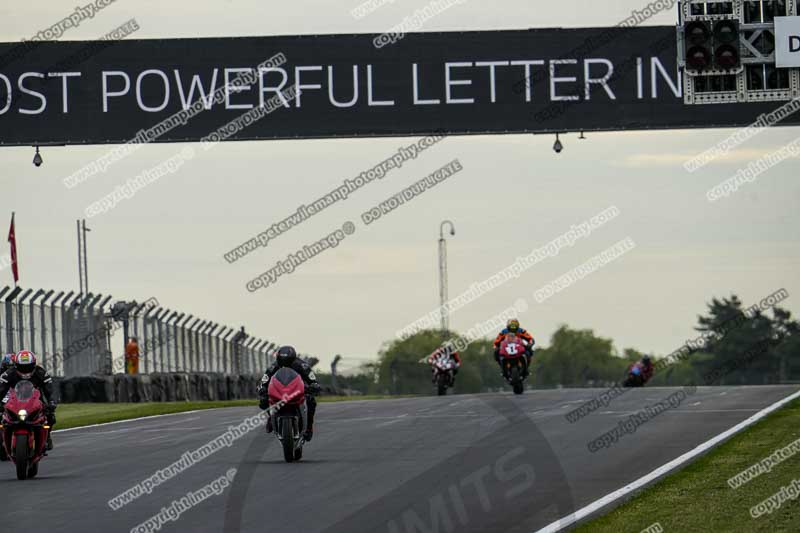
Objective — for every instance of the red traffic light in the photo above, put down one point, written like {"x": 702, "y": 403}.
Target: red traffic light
{"x": 726, "y": 56}
{"x": 698, "y": 58}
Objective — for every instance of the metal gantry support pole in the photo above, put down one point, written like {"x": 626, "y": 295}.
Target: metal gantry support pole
{"x": 219, "y": 358}
{"x": 191, "y": 337}
{"x": 20, "y": 319}
{"x": 106, "y": 356}
{"x": 146, "y": 362}
{"x": 80, "y": 259}
{"x": 197, "y": 344}
{"x": 257, "y": 347}
{"x": 31, "y": 317}
{"x": 80, "y": 315}
{"x": 238, "y": 350}
{"x": 85, "y": 257}
{"x": 225, "y": 353}
{"x": 67, "y": 312}
{"x": 54, "y": 334}
{"x": 175, "y": 326}
{"x": 255, "y": 353}
{"x": 4, "y": 320}
{"x": 169, "y": 338}
{"x": 43, "y": 323}
{"x": 159, "y": 347}
{"x": 184, "y": 341}
{"x": 443, "y": 297}
{"x": 249, "y": 362}
{"x": 211, "y": 352}
{"x": 264, "y": 357}
{"x": 202, "y": 353}
{"x": 205, "y": 336}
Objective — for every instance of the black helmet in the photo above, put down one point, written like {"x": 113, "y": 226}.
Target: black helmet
{"x": 286, "y": 356}
{"x": 646, "y": 360}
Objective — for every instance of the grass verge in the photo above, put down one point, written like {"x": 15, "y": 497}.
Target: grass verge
{"x": 699, "y": 499}
{"x": 72, "y": 415}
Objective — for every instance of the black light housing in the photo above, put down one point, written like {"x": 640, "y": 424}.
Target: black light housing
{"x": 726, "y": 44}
{"x": 558, "y": 147}
{"x": 712, "y": 44}
{"x": 37, "y": 158}
{"x": 699, "y": 54}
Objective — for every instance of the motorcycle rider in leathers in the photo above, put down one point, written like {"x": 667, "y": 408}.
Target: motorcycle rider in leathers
{"x": 287, "y": 357}
{"x": 25, "y": 368}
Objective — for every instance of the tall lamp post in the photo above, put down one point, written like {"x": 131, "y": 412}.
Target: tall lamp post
{"x": 443, "y": 274}
{"x": 83, "y": 262}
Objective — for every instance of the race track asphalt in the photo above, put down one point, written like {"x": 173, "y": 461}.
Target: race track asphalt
{"x": 491, "y": 462}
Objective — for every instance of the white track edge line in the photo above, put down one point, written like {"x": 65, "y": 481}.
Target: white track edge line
{"x": 664, "y": 469}
{"x": 185, "y": 413}
{"x": 134, "y": 420}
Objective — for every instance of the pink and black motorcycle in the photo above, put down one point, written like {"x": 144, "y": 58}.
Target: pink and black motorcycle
{"x": 24, "y": 429}
{"x": 286, "y": 388}
{"x": 514, "y": 361}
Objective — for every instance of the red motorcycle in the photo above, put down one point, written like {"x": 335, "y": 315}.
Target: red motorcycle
{"x": 24, "y": 429}
{"x": 286, "y": 389}
{"x": 514, "y": 362}
{"x": 636, "y": 376}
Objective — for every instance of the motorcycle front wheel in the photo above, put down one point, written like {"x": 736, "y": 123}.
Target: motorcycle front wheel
{"x": 287, "y": 439}
{"x": 516, "y": 380}
{"x": 441, "y": 385}
{"x": 21, "y": 457}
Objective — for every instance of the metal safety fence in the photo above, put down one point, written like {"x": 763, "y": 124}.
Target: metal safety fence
{"x": 74, "y": 335}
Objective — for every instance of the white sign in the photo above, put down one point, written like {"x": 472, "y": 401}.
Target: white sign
{"x": 787, "y": 42}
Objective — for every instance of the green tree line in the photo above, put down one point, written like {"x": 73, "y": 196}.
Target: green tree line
{"x": 735, "y": 346}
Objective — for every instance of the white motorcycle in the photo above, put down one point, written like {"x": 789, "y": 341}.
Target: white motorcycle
{"x": 443, "y": 373}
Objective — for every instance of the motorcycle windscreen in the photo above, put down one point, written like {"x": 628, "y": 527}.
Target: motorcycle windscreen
{"x": 286, "y": 385}
{"x": 24, "y": 391}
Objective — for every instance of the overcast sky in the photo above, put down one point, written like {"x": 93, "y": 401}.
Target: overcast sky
{"x": 514, "y": 195}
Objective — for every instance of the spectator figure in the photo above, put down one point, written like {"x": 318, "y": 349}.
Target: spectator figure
{"x": 132, "y": 356}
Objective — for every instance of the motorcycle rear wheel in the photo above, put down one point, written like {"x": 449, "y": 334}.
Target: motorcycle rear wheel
{"x": 21, "y": 457}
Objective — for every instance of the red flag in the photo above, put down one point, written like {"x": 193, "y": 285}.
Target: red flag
{"x": 12, "y": 240}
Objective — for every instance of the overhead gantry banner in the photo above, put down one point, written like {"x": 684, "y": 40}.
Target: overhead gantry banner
{"x": 312, "y": 86}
